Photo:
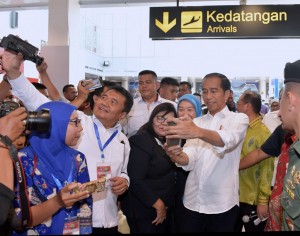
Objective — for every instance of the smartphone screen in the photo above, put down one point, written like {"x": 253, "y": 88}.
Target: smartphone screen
{"x": 173, "y": 141}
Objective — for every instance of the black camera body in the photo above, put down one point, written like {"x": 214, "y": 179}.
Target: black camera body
{"x": 15, "y": 44}
{"x": 36, "y": 120}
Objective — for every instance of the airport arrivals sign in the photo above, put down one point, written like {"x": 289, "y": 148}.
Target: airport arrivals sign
{"x": 240, "y": 21}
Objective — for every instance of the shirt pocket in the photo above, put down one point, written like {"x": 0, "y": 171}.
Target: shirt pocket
{"x": 136, "y": 120}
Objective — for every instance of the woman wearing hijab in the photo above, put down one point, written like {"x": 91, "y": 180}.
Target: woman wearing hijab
{"x": 52, "y": 169}
{"x": 152, "y": 176}
{"x": 188, "y": 105}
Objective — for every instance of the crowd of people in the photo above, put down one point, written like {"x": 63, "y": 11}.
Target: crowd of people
{"x": 169, "y": 160}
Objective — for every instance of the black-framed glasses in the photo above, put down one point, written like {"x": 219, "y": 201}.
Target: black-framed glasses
{"x": 76, "y": 121}
{"x": 161, "y": 119}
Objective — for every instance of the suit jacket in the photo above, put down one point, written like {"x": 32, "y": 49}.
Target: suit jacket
{"x": 152, "y": 176}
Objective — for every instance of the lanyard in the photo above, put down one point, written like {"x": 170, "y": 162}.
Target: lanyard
{"x": 58, "y": 183}
{"x": 106, "y": 143}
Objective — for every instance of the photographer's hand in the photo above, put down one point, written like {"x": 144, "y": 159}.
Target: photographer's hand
{"x": 11, "y": 64}
{"x": 13, "y": 124}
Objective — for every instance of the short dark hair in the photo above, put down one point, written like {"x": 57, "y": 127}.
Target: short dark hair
{"x": 146, "y": 72}
{"x": 225, "y": 83}
{"x": 169, "y": 81}
{"x": 119, "y": 89}
{"x": 39, "y": 85}
{"x": 254, "y": 99}
{"x": 197, "y": 94}
{"x": 186, "y": 83}
{"x": 65, "y": 88}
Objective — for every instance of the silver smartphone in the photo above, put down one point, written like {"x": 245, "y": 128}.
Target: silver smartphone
{"x": 97, "y": 82}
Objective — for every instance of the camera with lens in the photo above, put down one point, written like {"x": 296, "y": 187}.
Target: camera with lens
{"x": 15, "y": 44}
{"x": 36, "y": 120}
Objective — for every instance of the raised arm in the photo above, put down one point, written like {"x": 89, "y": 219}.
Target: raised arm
{"x": 52, "y": 90}
{"x": 21, "y": 87}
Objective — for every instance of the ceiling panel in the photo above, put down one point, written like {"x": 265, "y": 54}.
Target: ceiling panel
{"x": 6, "y": 5}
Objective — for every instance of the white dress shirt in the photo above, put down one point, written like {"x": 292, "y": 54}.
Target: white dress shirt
{"x": 271, "y": 120}
{"x": 140, "y": 114}
{"x": 213, "y": 182}
{"x": 105, "y": 211}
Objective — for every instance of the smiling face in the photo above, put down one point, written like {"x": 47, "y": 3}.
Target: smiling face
{"x": 159, "y": 122}
{"x": 213, "y": 95}
{"x": 74, "y": 130}
{"x": 186, "y": 108}
{"x": 108, "y": 107}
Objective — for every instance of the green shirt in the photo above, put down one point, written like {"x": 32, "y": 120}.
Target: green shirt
{"x": 290, "y": 197}
{"x": 255, "y": 182}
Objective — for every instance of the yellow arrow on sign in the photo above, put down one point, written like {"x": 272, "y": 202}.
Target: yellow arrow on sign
{"x": 165, "y": 26}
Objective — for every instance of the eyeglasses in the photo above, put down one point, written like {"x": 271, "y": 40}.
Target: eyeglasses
{"x": 161, "y": 119}
{"x": 76, "y": 121}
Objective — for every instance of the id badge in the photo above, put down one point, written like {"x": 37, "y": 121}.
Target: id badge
{"x": 71, "y": 226}
{"x": 103, "y": 170}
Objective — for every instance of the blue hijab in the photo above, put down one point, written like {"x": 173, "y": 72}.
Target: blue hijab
{"x": 50, "y": 148}
{"x": 54, "y": 157}
{"x": 194, "y": 100}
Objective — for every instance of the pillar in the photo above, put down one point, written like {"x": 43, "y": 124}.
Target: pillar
{"x": 62, "y": 52}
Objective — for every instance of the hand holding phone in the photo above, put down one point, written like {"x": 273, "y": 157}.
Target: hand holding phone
{"x": 97, "y": 82}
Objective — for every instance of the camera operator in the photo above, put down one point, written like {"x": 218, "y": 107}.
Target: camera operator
{"x": 11, "y": 126}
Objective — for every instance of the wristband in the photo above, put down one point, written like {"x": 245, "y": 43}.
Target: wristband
{"x": 5, "y": 140}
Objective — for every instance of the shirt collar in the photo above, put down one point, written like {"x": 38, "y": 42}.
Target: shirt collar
{"x": 98, "y": 123}
{"x": 296, "y": 146}
{"x": 255, "y": 121}
{"x": 224, "y": 112}
{"x": 140, "y": 99}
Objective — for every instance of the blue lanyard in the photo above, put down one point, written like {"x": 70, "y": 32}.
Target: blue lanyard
{"x": 106, "y": 143}
{"x": 58, "y": 183}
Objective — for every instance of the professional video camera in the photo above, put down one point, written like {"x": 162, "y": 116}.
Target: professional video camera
{"x": 36, "y": 120}
{"x": 17, "y": 45}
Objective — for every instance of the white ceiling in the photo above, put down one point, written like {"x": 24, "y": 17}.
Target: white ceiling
{"x": 6, "y": 5}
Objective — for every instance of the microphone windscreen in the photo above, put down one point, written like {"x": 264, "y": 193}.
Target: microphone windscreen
{"x": 245, "y": 219}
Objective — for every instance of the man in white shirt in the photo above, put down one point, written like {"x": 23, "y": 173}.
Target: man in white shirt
{"x": 143, "y": 105}
{"x": 212, "y": 155}
{"x": 106, "y": 148}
